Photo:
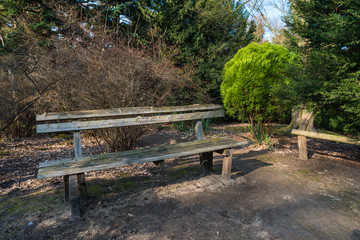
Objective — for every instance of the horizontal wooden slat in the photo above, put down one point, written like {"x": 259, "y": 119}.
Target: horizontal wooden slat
{"x": 118, "y": 159}
{"x": 140, "y": 120}
{"x": 113, "y": 112}
{"x": 325, "y": 136}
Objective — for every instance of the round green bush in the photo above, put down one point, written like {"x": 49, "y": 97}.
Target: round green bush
{"x": 249, "y": 80}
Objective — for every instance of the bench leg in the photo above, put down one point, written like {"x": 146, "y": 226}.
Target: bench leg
{"x": 227, "y": 162}
{"x": 74, "y": 202}
{"x": 303, "y": 153}
{"x": 206, "y": 162}
{"x": 82, "y": 186}
{"x": 66, "y": 184}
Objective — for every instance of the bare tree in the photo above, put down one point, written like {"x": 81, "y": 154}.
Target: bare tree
{"x": 260, "y": 10}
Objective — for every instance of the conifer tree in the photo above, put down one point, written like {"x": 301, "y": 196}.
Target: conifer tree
{"x": 326, "y": 34}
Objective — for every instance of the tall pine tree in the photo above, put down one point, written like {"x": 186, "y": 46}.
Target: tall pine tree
{"x": 326, "y": 34}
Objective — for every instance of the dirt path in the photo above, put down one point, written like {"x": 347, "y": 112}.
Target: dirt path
{"x": 272, "y": 195}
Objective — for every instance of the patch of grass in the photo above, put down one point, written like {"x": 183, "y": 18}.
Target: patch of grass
{"x": 123, "y": 175}
{"x": 21, "y": 206}
{"x": 17, "y": 211}
{"x": 4, "y": 153}
{"x": 181, "y": 126}
{"x": 128, "y": 185}
{"x": 350, "y": 196}
{"x": 308, "y": 175}
{"x": 179, "y": 171}
{"x": 63, "y": 136}
{"x": 268, "y": 158}
{"x": 349, "y": 192}
{"x": 97, "y": 190}
{"x": 239, "y": 129}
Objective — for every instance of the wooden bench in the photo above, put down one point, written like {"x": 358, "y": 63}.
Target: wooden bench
{"x": 303, "y": 153}
{"x": 73, "y": 169}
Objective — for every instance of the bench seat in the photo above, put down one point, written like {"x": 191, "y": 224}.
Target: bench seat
{"x": 118, "y": 159}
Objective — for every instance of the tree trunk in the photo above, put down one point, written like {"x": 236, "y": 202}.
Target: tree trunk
{"x": 302, "y": 119}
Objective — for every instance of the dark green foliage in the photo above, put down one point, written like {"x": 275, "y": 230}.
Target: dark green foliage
{"x": 260, "y": 133}
{"x": 326, "y": 34}
{"x": 342, "y": 109}
{"x": 333, "y": 25}
{"x": 249, "y": 80}
{"x": 207, "y": 34}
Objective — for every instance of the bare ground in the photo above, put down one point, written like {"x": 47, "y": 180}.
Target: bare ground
{"x": 271, "y": 195}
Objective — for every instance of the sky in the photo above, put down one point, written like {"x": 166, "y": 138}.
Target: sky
{"x": 273, "y": 14}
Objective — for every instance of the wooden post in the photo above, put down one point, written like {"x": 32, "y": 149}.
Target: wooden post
{"x": 80, "y": 176}
{"x": 206, "y": 159}
{"x": 303, "y": 153}
{"x": 199, "y": 131}
{"x": 227, "y": 162}
{"x": 66, "y": 183}
{"x": 74, "y": 202}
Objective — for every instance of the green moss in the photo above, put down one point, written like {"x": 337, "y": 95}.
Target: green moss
{"x": 123, "y": 175}
{"x": 128, "y": 185}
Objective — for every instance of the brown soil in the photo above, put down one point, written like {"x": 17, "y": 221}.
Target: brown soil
{"x": 271, "y": 195}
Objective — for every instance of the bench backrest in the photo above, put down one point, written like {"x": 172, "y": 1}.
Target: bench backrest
{"x": 119, "y": 117}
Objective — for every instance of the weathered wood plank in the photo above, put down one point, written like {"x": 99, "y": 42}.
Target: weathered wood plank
{"x": 140, "y": 120}
{"x": 142, "y": 151}
{"x": 118, "y": 159}
{"x": 161, "y": 163}
{"x": 227, "y": 162}
{"x": 113, "y": 112}
{"x": 325, "y": 136}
